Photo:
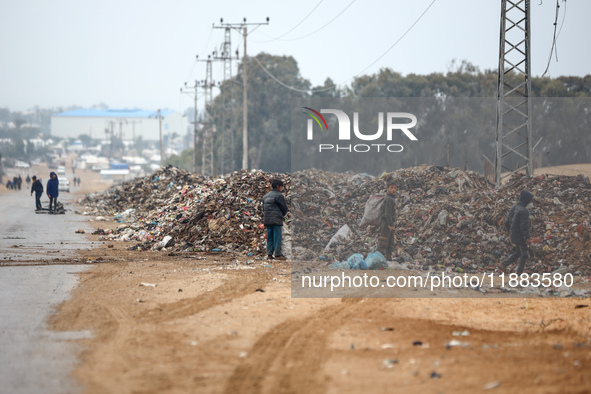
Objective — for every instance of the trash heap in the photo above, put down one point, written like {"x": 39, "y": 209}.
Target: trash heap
{"x": 176, "y": 208}
{"x": 322, "y": 203}
{"x": 141, "y": 195}
{"x": 560, "y": 220}
{"x": 447, "y": 219}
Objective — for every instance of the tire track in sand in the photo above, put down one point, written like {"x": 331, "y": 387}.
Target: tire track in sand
{"x": 288, "y": 358}
{"x": 236, "y": 287}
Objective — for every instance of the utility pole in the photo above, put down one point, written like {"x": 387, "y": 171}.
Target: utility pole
{"x": 227, "y": 134}
{"x": 133, "y": 123}
{"x": 243, "y": 28}
{"x": 193, "y": 91}
{"x": 209, "y": 126}
{"x": 514, "y": 108}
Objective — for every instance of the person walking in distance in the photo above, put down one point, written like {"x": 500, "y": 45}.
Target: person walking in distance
{"x": 386, "y": 236}
{"x": 37, "y": 187}
{"x": 517, "y": 224}
{"x": 274, "y": 210}
{"x": 53, "y": 191}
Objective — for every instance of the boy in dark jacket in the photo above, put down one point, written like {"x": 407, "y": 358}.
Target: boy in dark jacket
{"x": 53, "y": 191}
{"x": 37, "y": 187}
{"x": 386, "y": 237}
{"x": 274, "y": 210}
{"x": 517, "y": 224}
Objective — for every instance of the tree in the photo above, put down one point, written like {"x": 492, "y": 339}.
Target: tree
{"x": 184, "y": 161}
{"x": 18, "y": 122}
{"x": 268, "y": 111}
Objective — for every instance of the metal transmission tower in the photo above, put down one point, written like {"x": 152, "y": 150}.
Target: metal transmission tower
{"x": 227, "y": 148}
{"x": 243, "y": 28}
{"x": 514, "y": 114}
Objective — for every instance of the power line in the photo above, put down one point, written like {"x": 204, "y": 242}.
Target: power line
{"x": 201, "y": 54}
{"x": 287, "y": 86}
{"x": 356, "y": 75}
{"x": 554, "y": 48}
{"x": 317, "y": 30}
{"x": 397, "y": 41}
{"x": 293, "y": 28}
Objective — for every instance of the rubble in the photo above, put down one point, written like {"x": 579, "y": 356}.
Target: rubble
{"x": 447, "y": 219}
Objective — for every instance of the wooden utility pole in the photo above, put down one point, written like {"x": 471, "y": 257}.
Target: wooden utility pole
{"x": 194, "y": 91}
{"x": 243, "y": 28}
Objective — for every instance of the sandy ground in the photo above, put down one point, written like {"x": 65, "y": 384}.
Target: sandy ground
{"x": 211, "y": 323}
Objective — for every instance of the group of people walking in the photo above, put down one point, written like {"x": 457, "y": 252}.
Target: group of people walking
{"x": 52, "y": 192}
{"x": 16, "y": 183}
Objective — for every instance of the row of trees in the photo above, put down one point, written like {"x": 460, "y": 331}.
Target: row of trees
{"x": 562, "y": 126}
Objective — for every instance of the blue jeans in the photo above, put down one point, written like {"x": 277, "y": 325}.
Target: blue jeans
{"x": 274, "y": 235}
{"x": 52, "y": 203}
{"x": 38, "y": 200}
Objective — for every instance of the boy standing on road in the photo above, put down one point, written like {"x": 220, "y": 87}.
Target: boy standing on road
{"x": 53, "y": 191}
{"x": 37, "y": 187}
{"x": 517, "y": 224}
{"x": 387, "y": 229}
{"x": 274, "y": 210}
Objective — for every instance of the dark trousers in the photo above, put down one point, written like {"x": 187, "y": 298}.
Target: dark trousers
{"x": 52, "y": 204}
{"x": 520, "y": 254}
{"x": 385, "y": 240}
{"x": 274, "y": 236}
{"x": 37, "y": 200}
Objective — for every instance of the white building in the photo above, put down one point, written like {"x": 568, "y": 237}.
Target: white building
{"x": 128, "y": 124}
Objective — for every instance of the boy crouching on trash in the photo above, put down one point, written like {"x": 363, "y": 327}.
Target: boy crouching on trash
{"x": 274, "y": 210}
{"x": 387, "y": 229}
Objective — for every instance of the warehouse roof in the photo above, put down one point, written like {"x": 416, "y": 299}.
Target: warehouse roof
{"x": 114, "y": 113}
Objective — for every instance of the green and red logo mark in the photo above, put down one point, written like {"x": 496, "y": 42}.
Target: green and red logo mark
{"x": 315, "y": 117}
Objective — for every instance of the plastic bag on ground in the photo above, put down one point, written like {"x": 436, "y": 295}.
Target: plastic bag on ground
{"x": 341, "y": 237}
{"x": 356, "y": 262}
{"x": 376, "y": 261}
{"x": 343, "y": 265}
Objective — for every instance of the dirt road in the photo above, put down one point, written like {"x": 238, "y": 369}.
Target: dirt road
{"x": 213, "y": 323}
{"x": 216, "y": 325}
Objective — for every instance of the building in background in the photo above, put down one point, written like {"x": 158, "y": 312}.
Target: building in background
{"x": 127, "y": 124}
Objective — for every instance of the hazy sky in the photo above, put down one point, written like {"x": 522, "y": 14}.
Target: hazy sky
{"x": 137, "y": 54}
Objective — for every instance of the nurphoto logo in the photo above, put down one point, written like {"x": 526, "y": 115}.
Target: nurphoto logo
{"x": 393, "y": 124}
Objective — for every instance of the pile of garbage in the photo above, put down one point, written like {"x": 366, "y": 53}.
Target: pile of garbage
{"x": 323, "y": 203}
{"x": 175, "y": 208}
{"x": 447, "y": 219}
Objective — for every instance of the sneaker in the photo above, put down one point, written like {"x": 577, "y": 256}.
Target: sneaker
{"x": 270, "y": 257}
{"x": 281, "y": 257}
